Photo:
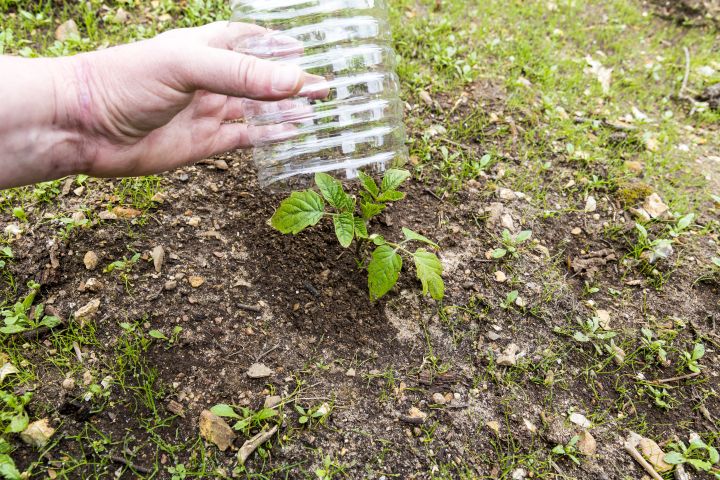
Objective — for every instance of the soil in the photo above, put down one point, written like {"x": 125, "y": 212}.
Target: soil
{"x": 315, "y": 322}
{"x": 690, "y": 12}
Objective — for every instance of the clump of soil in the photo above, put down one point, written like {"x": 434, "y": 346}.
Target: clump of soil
{"x": 690, "y": 12}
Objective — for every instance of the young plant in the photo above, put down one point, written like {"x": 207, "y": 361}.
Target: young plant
{"x": 654, "y": 348}
{"x": 511, "y": 243}
{"x": 20, "y": 318}
{"x": 660, "y": 396}
{"x": 306, "y": 208}
{"x": 691, "y": 360}
{"x": 123, "y": 268}
{"x": 509, "y": 300}
{"x": 247, "y": 420}
{"x": 591, "y": 332}
{"x": 318, "y": 413}
{"x": 702, "y": 457}
{"x": 569, "y": 450}
{"x": 171, "y": 340}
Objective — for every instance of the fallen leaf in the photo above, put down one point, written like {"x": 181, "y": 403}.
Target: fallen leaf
{"x": 126, "y": 213}
{"x": 215, "y": 430}
{"x": 7, "y": 369}
{"x": 38, "y": 433}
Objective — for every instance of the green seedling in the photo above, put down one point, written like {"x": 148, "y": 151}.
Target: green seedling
{"x": 5, "y": 254}
{"x": 171, "y": 340}
{"x": 591, "y": 332}
{"x": 123, "y": 268}
{"x": 509, "y": 300}
{"x": 712, "y": 271}
{"x": 8, "y": 470}
{"x": 317, "y": 413}
{"x": 511, "y": 243}
{"x": 660, "y": 395}
{"x": 691, "y": 360}
{"x": 568, "y": 450}
{"x": 178, "y": 472}
{"x": 20, "y": 318}
{"x": 13, "y": 419}
{"x": 306, "y": 208}
{"x": 19, "y": 213}
{"x": 247, "y": 420}
{"x": 69, "y": 224}
{"x": 654, "y": 348}
{"x": 701, "y": 456}
{"x": 330, "y": 469}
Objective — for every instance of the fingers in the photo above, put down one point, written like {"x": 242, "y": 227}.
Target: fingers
{"x": 238, "y": 75}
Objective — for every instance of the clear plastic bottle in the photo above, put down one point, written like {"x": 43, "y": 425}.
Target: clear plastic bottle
{"x": 352, "y": 117}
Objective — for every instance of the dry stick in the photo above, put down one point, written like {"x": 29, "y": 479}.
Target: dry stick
{"x": 267, "y": 352}
{"x": 683, "y": 87}
{"x": 675, "y": 379}
{"x": 251, "y": 445}
{"x": 249, "y": 308}
{"x": 630, "y": 447}
{"x": 129, "y": 464}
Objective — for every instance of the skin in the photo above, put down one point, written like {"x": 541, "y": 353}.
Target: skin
{"x": 135, "y": 109}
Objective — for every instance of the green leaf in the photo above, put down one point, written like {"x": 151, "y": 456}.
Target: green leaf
{"x": 50, "y": 321}
{"x": 698, "y": 351}
{"x": 7, "y": 252}
{"x": 391, "y": 196}
{"x": 699, "y": 464}
{"x": 674, "y": 458}
{"x": 410, "y": 235}
{"x": 299, "y": 211}
{"x": 558, "y": 450}
{"x": 713, "y": 455}
{"x": 7, "y": 468}
{"x": 333, "y": 192}
{"x": 264, "y": 414}
{"x": 581, "y": 337}
{"x": 394, "y": 178}
{"x": 383, "y": 271}
{"x": 224, "y": 410}
{"x": 523, "y": 236}
{"x": 716, "y": 261}
{"x": 344, "y": 228}
{"x": 303, "y": 420}
{"x": 498, "y": 253}
{"x": 641, "y": 230}
{"x": 370, "y": 210}
{"x": 377, "y": 239}
{"x": 685, "y": 221}
{"x": 157, "y": 334}
{"x": 369, "y": 184}
{"x": 429, "y": 271}
{"x": 18, "y": 423}
{"x": 360, "y": 228}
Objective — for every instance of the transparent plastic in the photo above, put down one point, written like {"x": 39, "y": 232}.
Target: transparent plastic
{"x": 350, "y": 115}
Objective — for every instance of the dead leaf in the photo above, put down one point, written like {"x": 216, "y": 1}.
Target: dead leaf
{"x": 652, "y": 452}
{"x": 38, "y": 433}
{"x": 215, "y": 430}
{"x": 603, "y": 74}
{"x": 7, "y": 369}
{"x": 126, "y": 213}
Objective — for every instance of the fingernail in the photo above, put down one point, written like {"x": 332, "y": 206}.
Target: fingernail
{"x": 285, "y": 79}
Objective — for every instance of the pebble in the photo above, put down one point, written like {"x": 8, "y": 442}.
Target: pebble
{"x": 67, "y": 30}
{"x": 92, "y": 284}
{"x": 500, "y": 277}
{"x": 68, "y": 383}
{"x": 272, "y": 401}
{"x": 221, "y": 164}
{"x": 493, "y": 336}
{"x": 105, "y": 215}
{"x": 90, "y": 260}
{"x": 350, "y": 372}
{"x": 126, "y": 213}
{"x": 193, "y": 221}
{"x": 519, "y": 474}
{"x": 38, "y": 433}
{"x": 438, "y": 398}
{"x": 580, "y": 420}
{"x": 195, "y": 281}
{"x": 494, "y": 211}
{"x": 88, "y": 311}
{"x": 259, "y": 370}
{"x": 576, "y": 231}
{"x": 509, "y": 357}
{"x": 184, "y": 177}
{"x": 654, "y": 206}
{"x": 603, "y": 318}
{"x": 170, "y": 285}
{"x": 426, "y": 98}
{"x": 587, "y": 444}
{"x": 158, "y": 256}
{"x": 506, "y": 194}
{"x": 590, "y": 204}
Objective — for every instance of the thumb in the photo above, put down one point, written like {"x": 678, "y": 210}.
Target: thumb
{"x": 234, "y": 74}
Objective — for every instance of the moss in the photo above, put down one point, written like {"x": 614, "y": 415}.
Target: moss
{"x": 631, "y": 194}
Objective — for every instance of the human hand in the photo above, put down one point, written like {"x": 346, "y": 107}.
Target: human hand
{"x": 161, "y": 103}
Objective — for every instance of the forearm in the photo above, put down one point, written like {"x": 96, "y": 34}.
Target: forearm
{"x": 39, "y": 138}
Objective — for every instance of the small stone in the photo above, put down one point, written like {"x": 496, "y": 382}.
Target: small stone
{"x": 576, "y": 231}
{"x": 634, "y": 166}
{"x": 159, "y": 197}
{"x": 580, "y": 420}
{"x": 530, "y": 426}
{"x": 105, "y": 215}
{"x": 121, "y": 16}
{"x": 494, "y": 426}
{"x": 492, "y": 336}
{"x": 87, "y": 377}
{"x": 158, "y": 256}
{"x": 415, "y": 412}
{"x": 13, "y": 229}
{"x": 221, "y": 164}
{"x": 88, "y": 311}
{"x": 195, "y": 281}
{"x": 603, "y": 317}
{"x": 519, "y": 474}
{"x": 215, "y": 430}
{"x": 506, "y": 194}
{"x": 520, "y": 302}
{"x": 509, "y": 357}
{"x": 193, "y": 221}
{"x": 92, "y": 284}
{"x": 654, "y": 206}
{"x": 90, "y": 260}
{"x": 272, "y": 401}
{"x": 259, "y": 370}
{"x": 506, "y": 220}
{"x": 176, "y": 408}
{"x": 79, "y": 191}
{"x": 68, "y": 383}
{"x": 78, "y": 217}
{"x": 38, "y": 433}
{"x": 426, "y": 98}
{"x": 350, "y": 372}
{"x": 170, "y": 285}
{"x": 590, "y": 204}
{"x": 494, "y": 211}
{"x": 586, "y": 444}
{"x": 67, "y": 30}
{"x": 500, "y": 277}
{"x": 183, "y": 177}
{"x": 126, "y": 213}
{"x": 438, "y": 398}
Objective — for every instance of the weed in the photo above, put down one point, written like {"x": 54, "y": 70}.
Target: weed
{"x": 591, "y": 332}
{"x": 654, "y": 348}
{"x": 330, "y": 469}
{"x": 248, "y": 420}
{"x": 171, "y": 340}
{"x": 691, "y": 360}
{"x": 306, "y": 208}
{"x": 123, "y": 268}
{"x": 701, "y": 456}
{"x": 568, "y": 450}
{"x": 511, "y": 243}
{"x": 20, "y": 318}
